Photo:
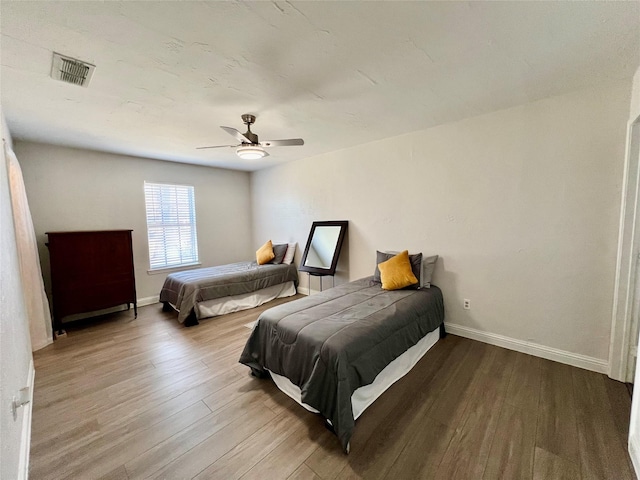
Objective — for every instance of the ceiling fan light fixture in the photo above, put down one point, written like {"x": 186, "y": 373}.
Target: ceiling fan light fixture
{"x": 250, "y": 153}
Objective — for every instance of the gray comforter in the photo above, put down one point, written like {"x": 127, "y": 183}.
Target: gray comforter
{"x": 185, "y": 289}
{"x": 331, "y": 343}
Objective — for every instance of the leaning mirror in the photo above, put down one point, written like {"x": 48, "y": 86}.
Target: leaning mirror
{"x": 323, "y": 247}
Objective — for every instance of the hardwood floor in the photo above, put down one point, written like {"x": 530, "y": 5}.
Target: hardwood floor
{"x": 147, "y": 398}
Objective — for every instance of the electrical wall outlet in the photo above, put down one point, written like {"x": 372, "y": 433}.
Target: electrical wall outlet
{"x": 466, "y": 303}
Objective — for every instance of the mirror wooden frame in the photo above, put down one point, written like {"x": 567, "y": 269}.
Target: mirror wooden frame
{"x": 336, "y": 253}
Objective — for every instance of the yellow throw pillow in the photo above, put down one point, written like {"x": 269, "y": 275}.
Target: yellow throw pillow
{"x": 265, "y": 253}
{"x": 396, "y": 272}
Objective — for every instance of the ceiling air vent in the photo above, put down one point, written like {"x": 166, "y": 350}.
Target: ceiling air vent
{"x": 70, "y": 70}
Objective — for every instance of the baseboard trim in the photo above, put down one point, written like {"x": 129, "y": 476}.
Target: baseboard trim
{"x": 39, "y": 346}
{"x": 142, "y": 302}
{"x": 634, "y": 453}
{"x": 305, "y": 291}
{"x": 561, "y": 356}
{"x": 25, "y": 438}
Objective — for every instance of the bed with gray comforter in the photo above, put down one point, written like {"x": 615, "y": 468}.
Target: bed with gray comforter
{"x": 183, "y": 290}
{"x": 331, "y": 343}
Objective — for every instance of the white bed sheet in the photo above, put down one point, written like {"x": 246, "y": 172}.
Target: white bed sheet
{"x": 245, "y": 301}
{"x": 365, "y": 396}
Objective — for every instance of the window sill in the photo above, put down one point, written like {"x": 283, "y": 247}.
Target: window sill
{"x": 177, "y": 268}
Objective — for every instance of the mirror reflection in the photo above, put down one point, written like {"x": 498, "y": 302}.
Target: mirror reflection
{"x": 323, "y": 246}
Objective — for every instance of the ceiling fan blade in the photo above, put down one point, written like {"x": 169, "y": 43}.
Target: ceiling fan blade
{"x": 215, "y": 146}
{"x": 235, "y": 133}
{"x": 282, "y": 143}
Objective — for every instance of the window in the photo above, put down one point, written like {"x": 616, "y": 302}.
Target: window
{"x": 171, "y": 225}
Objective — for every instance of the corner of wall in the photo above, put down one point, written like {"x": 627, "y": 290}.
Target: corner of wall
{"x": 635, "y": 96}
{"x": 625, "y": 261}
{"x": 634, "y": 452}
{"x": 25, "y": 443}
{"x": 6, "y": 135}
{"x": 619, "y": 324}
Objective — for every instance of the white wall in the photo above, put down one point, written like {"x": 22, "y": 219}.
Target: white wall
{"x": 522, "y": 205}
{"x": 15, "y": 344}
{"x": 71, "y": 189}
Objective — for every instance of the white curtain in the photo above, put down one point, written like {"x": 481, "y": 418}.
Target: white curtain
{"x": 33, "y": 286}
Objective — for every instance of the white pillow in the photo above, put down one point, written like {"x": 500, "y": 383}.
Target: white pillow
{"x": 291, "y": 251}
{"x": 428, "y": 266}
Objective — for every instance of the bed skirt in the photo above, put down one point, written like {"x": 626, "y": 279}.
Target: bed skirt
{"x": 245, "y": 301}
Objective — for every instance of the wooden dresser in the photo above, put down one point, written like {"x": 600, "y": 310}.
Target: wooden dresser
{"x": 90, "y": 271}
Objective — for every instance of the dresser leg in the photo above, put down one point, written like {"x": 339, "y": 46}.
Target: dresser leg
{"x": 58, "y": 331}
{"x": 135, "y": 309}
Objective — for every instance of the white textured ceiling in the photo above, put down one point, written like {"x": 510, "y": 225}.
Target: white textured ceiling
{"x": 334, "y": 73}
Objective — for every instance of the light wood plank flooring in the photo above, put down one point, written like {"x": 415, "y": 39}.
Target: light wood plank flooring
{"x": 147, "y": 398}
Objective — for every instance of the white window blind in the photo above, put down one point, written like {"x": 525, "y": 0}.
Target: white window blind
{"x": 171, "y": 225}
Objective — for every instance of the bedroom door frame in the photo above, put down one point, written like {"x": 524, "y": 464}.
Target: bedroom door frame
{"x": 624, "y": 327}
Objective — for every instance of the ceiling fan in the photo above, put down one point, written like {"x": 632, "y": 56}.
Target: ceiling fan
{"x": 250, "y": 148}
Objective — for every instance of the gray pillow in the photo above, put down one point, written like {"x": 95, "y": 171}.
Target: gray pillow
{"x": 279, "y": 251}
{"x": 428, "y": 266}
{"x": 416, "y": 267}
